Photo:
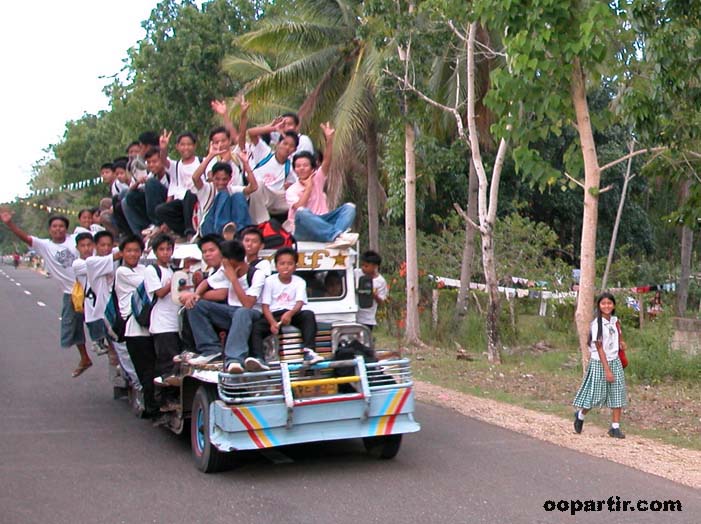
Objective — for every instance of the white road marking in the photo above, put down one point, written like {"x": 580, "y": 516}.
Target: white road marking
{"x": 41, "y": 304}
{"x": 17, "y": 284}
{"x": 27, "y": 292}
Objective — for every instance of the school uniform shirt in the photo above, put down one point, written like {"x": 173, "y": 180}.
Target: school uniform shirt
{"x": 254, "y": 290}
{"x": 127, "y": 279}
{"x": 609, "y": 340}
{"x": 279, "y": 296}
{"x": 58, "y": 259}
{"x": 272, "y": 173}
{"x": 181, "y": 177}
{"x": 80, "y": 269}
{"x": 236, "y": 184}
{"x": 368, "y": 315}
{"x": 100, "y": 273}
{"x": 218, "y": 280}
{"x": 164, "y": 314}
{"x": 117, "y": 187}
{"x": 305, "y": 143}
{"x": 317, "y": 199}
{"x": 164, "y": 180}
{"x": 264, "y": 266}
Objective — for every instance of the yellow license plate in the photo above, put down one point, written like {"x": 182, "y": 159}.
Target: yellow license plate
{"x": 319, "y": 390}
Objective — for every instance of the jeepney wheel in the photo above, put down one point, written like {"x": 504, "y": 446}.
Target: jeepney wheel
{"x": 383, "y": 447}
{"x": 208, "y": 459}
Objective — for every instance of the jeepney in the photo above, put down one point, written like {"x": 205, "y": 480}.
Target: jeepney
{"x": 371, "y": 399}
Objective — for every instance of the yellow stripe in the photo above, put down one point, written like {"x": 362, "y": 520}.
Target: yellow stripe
{"x": 322, "y": 381}
{"x": 384, "y": 419}
{"x": 250, "y": 417}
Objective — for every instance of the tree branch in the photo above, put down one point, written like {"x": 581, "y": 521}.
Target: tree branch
{"x": 580, "y": 184}
{"x": 631, "y": 155}
{"x": 465, "y": 217}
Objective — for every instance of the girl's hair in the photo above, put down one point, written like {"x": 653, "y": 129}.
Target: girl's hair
{"x": 599, "y": 322}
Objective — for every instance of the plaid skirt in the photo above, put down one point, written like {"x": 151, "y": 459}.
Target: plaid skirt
{"x": 595, "y": 392}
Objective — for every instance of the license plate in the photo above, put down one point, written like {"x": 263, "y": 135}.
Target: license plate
{"x": 319, "y": 390}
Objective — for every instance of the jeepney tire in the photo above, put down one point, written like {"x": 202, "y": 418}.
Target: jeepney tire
{"x": 384, "y": 447}
{"x": 208, "y": 459}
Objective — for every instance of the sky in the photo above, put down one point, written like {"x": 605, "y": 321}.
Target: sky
{"x": 54, "y": 55}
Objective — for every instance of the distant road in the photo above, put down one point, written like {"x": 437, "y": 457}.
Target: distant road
{"x": 70, "y": 454}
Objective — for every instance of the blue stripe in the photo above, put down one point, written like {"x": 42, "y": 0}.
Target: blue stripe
{"x": 261, "y": 420}
{"x": 376, "y": 420}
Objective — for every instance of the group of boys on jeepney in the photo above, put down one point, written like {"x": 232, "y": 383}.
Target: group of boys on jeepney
{"x": 221, "y": 202}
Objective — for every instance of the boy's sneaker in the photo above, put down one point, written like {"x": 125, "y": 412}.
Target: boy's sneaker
{"x": 203, "y": 359}
{"x": 185, "y": 356}
{"x": 616, "y": 433}
{"x": 102, "y": 346}
{"x": 312, "y": 357}
{"x": 229, "y": 229}
{"x": 253, "y": 364}
{"x": 344, "y": 240}
{"x": 235, "y": 368}
{"x": 578, "y": 423}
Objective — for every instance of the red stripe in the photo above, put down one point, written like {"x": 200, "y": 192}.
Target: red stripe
{"x": 390, "y": 424}
{"x": 251, "y": 429}
{"x": 359, "y": 396}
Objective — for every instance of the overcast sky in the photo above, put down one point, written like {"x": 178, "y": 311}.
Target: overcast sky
{"x": 54, "y": 53}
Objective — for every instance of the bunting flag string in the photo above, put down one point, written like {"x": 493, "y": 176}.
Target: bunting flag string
{"x": 71, "y": 186}
{"x": 51, "y": 209}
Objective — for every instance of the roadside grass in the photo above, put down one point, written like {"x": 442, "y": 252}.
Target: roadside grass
{"x": 541, "y": 370}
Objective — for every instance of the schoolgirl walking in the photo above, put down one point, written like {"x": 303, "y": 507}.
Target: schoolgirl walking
{"x": 604, "y": 383}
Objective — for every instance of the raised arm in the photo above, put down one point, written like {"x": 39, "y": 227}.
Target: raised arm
{"x": 6, "y": 217}
{"x": 329, "y": 133}
{"x": 255, "y": 132}
{"x": 220, "y": 108}
{"x": 243, "y": 123}
{"x": 163, "y": 142}
{"x": 197, "y": 175}
{"x": 252, "y": 185}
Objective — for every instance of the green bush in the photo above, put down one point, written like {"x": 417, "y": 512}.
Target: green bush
{"x": 652, "y": 359}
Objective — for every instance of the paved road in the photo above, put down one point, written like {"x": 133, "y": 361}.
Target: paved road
{"x": 71, "y": 454}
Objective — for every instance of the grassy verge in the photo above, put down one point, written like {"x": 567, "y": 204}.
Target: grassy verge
{"x": 541, "y": 370}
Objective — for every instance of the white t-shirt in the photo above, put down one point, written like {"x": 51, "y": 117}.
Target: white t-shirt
{"x": 305, "y": 143}
{"x": 272, "y": 173}
{"x": 379, "y": 285}
{"x": 164, "y": 315}
{"x": 117, "y": 187}
{"x": 236, "y": 183}
{"x": 264, "y": 266}
{"x": 254, "y": 290}
{"x": 281, "y": 296}
{"x": 80, "y": 269}
{"x": 164, "y": 180}
{"x": 126, "y": 281}
{"x": 58, "y": 259}
{"x": 100, "y": 272}
{"x": 181, "y": 177}
{"x": 609, "y": 340}
{"x": 218, "y": 280}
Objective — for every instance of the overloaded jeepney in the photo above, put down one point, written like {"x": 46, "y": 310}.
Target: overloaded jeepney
{"x": 358, "y": 391}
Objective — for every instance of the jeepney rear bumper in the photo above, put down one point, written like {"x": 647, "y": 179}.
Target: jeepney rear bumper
{"x": 272, "y": 424}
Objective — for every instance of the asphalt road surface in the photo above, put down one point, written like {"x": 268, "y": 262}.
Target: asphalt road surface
{"x": 69, "y": 453}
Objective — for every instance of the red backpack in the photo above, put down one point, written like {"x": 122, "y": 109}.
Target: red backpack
{"x": 275, "y": 236}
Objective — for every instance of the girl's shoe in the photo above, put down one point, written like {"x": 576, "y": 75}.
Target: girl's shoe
{"x": 578, "y": 423}
{"x": 616, "y": 433}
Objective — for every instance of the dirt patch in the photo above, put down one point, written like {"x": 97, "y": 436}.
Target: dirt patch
{"x": 664, "y": 460}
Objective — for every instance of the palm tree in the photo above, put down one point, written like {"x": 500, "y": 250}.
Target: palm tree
{"x": 313, "y": 58}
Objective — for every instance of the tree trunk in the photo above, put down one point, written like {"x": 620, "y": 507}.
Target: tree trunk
{"x": 490, "y": 276}
{"x": 469, "y": 248}
{"x": 373, "y": 187}
{"x": 592, "y": 176}
{"x": 617, "y": 223}
{"x": 412, "y": 334}
{"x": 687, "y": 241}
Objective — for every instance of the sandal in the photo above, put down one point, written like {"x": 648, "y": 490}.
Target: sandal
{"x": 81, "y": 369}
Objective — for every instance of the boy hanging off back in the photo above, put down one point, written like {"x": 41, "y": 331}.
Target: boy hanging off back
{"x": 370, "y": 268}
{"x": 284, "y": 295}
{"x": 58, "y": 252}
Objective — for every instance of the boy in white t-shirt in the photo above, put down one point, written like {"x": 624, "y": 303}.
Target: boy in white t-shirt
{"x": 165, "y": 324}
{"x": 370, "y": 267}
{"x": 245, "y": 284}
{"x": 252, "y": 240}
{"x": 58, "y": 252}
{"x": 290, "y": 122}
{"x": 138, "y": 339}
{"x": 177, "y": 211}
{"x": 283, "y": 298}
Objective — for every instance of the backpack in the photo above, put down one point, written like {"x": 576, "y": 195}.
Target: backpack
{"x": 275, "y": 236}
{"x": 78, "y": 297}
{"x": 141, "y": 304}
{"x": 116, "y": 325}
{"x": 365, "y": 296}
